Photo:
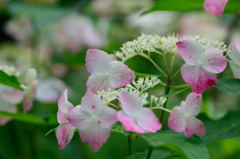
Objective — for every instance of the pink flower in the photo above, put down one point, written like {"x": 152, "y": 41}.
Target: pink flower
{"x": 65, "y": 131}
{"x": 93, "y": 119}
{"x": 9, "y": 98}
{"x": 182, "y": 117}
{"x": 234, "y": 55}
{"x": 134, "y": 116}
{"x": 216, "y": 7}
{"x": 201, "y": 65}
{"x": 106, "y": 71}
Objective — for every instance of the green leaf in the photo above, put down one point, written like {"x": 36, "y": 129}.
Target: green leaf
{"x": 9, "y": 80}
{"x": 139, "y": 155}
{"x": 162, "y": 153}
{"x": 40, "y": 14}
{"x": 229, "y": 85}
{"x": 192, "y": 148}
{"x": 189, "y": 5}
{"x": 225, "y": 128}
{"x": 30, "y": 118}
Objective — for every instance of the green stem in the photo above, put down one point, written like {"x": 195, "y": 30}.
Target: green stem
{"x": 161, "y": 108}
{"x": 155, "y": 65}
{"x": 113, "y": 106}
{"x": 149, "y": 153}
{"x": 166, "y": 93}
{"x": 179, "y": 86}
{"x": 129, "y": 144}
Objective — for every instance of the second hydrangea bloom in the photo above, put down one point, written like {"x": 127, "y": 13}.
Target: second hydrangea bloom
{"x": 106, "y": 71}
{"x": 201, "y": 64}
{"x": 216, "y": 7}
{"x": 182, "y": 117}
{"x": 93, "y": 119}
{"x": 134, "y": 116}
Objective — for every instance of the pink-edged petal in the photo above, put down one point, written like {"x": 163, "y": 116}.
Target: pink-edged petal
{"x": 120, "y": 74}
{"x": 95, "y": 136}
{"x": 98, "y": 61}
{"x": 216, "y": 7}
{"x": 97, "y": 82}
{"x": 79, "y": 118}
{"x": 63, "y": 107}
{"x": 190, "y": 51}
{"x": 192, "y": 104}
{"x": 194, "y": 126}
{"x": 234, "y": 54}
{"x": 129, "y": 123}
{"x": 177, "y": 120}
{"x": 130, "y": 102}
{"x": 64, "y": 134}
{"x": 91, "y": 112}
{"x": 147, "y": 120}
{"x": 214, "y": 61}
{"x": 12, "y": 96}
{"x": 108, "y": 117}
{"x": 198, "y": 79}
{"x": 92, "y": 102}
{"x": 235, "y": 69}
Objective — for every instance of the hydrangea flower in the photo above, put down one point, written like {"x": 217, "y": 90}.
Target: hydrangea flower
{"x": 106, "y": 71}
{"x": 9, "y": 98}
{"x": 201, "y": 64}
{"x": 182, "y": 117}
{"x": 30, "y": 90}
{"x": 216, "y": 7}
{"x": 93, "y": 119}
{"x": 65, "y": 131}
{"x": 234, "y": 54}
{"x": 134, "y": 116}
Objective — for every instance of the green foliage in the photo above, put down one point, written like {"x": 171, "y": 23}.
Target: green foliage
{"x": 192, "y": 148}
{"x": 189, "y": 5}
{"x": 229, "y": 85}
{"x": 161, "y": 153}
{"x": 30, "y": 118}
{"x": 9, "y": 80}
{"x": 225, "y": 128}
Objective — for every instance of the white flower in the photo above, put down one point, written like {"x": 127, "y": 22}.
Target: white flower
{"x": 206, "y": 43}
{"x": 157, "y": 101}
{"x": 108, "y": 96}
{"x": 10, "y": 70}
{"x": 141, "y": 85}
{"x": 148, "y": 43}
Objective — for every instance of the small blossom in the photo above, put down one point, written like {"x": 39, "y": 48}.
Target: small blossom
{"x": 201, "y": 65}
{"x": 106, "y": 71}
{"x": 141, "y": 85}
{"x": 216, "y": 7}
{"x": 10, "y": 70}
{"x": 206, "y": 42}
{"x": 21, "y": 29}
{"x": 182, "y": 117}
{"x": 93, "y": 119}
{"x": 108, "y": 96}
{"x": 75, "y": 32}
{"x": 134, "y": 116}
{"x": 30, "y": 92}
{"x": 9, "y": 98}
{"x": 49, "y": 89}
{"x": 65, "y": 131}
{"x": 149, "y": 43}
